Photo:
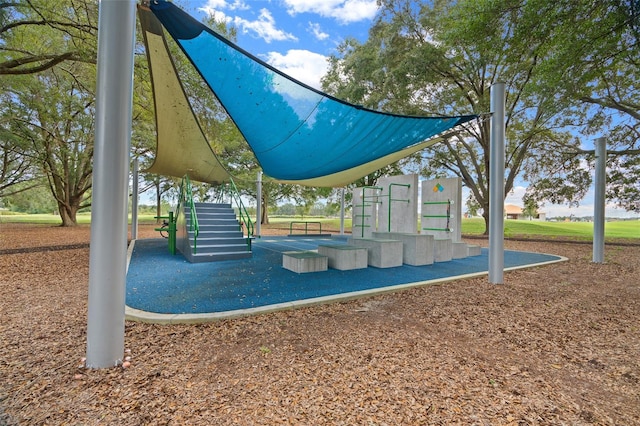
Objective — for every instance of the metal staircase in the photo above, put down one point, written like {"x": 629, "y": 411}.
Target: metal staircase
{"x": 218, "y": 235}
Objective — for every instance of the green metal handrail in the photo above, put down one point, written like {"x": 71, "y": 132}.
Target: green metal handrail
{"x": 306, "y": 226}
{"x": 406, "y": 185}
{"x": 242, "y": 211}
{"x": 447, "y": 216}
{"x": 186, "y": 196}
{"x": 364, "y": 204}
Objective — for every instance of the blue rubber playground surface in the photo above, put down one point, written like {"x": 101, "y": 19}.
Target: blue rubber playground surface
{"x": 161, "y": 283}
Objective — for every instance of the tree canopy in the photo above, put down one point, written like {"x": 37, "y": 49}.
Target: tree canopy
{"x": 442, "y": 57}
{"x": 571, "y": 71}
{"x": 46, "y": 21}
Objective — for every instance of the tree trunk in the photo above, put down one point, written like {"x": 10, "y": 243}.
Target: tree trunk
{"x": 264, "y": 215}
{"x": 158, "y": 201}
{"x": 68, "y": 215}
{"x": 485, "y": 216}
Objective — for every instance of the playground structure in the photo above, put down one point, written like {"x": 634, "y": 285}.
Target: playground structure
{"x": 389, "y": 211}
{"x": 386, "y": 231}
{"x": 108, "y": 261}
{"x": 291, "y": 114}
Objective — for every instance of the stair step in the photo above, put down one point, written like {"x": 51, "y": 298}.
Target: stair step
{"x": 220, "y": 235}
{"x": 221, "y": 240}
{"x": 216, "y": 227}
{"x": 216, "y": 215}
{"x": 215, "y": 257}
{"x": 214, "y": 209}
{"x": 224, "y": 248}
{"x": 227, "y": 219}
{"x": 220, "y": 205}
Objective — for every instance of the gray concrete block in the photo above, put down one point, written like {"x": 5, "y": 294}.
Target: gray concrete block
{"x": 459, "y": 250}
{"x": 417, "y": 249}
{"x": 304, "y": 261}
{"x": 381, "y": 253}
{"x": 344, "y": 257}
{"x": 474, "y": 250}
{"x": 442, "y": 250}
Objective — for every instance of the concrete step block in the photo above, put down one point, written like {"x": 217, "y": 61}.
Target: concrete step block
{"x": 381, "y": 253}
{"x": 474, "y": 250}
{"x": 344, "y": 257}
{"x": 459, "y": 250}
{"x": 417, "y": 249}
{"x": 442, "y": 250}
{"x": 304, "y": 261}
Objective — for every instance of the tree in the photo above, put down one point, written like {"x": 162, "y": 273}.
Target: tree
{"x": 31, "y": 32}
{"x": 65, "y": 19}
{"x": 16, "y": 166}
{"x": 36, "y": 199}
{"x": 595, "y": 64}
{"x": 530, "y": 207}
{"x": 48, "y": 73}
{"x": 472, "y": 206}
{"x": 441, "y": 58}
{"x": 56, "y": 117}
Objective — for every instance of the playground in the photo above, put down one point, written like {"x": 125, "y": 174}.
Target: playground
{"x": 557, "y": 344}
{"x": 401, "y": 342}
{"x": 166, "y": 288}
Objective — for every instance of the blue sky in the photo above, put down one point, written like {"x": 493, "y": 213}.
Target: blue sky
{"x": 297, "y": 36}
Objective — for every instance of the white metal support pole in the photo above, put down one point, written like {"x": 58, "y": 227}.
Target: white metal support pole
{"x": 108, "y": 254}
{"x": 599, "y": 200}
{"x": 134, "y": 201}
{"x": 496, "y": 185}
{"x": 342, "y": 211}
{"x": 258, "y": 203}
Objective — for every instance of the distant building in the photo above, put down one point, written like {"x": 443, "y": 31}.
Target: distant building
{"x": 514, "y": 212}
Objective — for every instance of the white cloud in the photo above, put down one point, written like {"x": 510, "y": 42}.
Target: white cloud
{"x": 317, "y": 32}
{"x": 213, "y": 5}
{"x": 344, "y": 11}
{"x": 303, "y": 65}
{"x": 264, "y": 27}
{"x": 218, "y": 15}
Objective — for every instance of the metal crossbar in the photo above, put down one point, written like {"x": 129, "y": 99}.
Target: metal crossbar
{"x": 242, "y": 211}
{"x": 186, "y": 197}
{"x": 447, "y": 215}
{"x": 364, "y": 204}
{"x": 306, "y": 226}
{"x": 406, "y": 185}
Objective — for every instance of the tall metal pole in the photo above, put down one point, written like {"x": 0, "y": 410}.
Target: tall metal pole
{"x": 134, "y": 201}
{"x": 258, "y": 203}
{"x": 108, "y": 254}
{"x": 342, "y": 211}
{"x": 599, "y": 200}
{"x": 496, "y": 185}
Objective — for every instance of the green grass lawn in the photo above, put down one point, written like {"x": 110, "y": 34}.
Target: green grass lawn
{"x": 82, "y": 218}
{"x": 629, "y": 229}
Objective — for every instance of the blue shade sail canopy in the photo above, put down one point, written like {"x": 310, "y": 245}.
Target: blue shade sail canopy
{"x": 297, "y": 133}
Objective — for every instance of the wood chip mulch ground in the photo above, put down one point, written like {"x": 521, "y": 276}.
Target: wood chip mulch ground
{"x": 557, "y": 344}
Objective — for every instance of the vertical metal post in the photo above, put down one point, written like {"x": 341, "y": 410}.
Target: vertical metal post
{"x": 496, "y": 185}
{"x": 108, "y": 254}
{"x": 134, "y": 201}
{"x": 172, "y": 234}
{"x": 599, "y": 200}
{"x": 258, "y": 203}
{"x": 342, "y": 211}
